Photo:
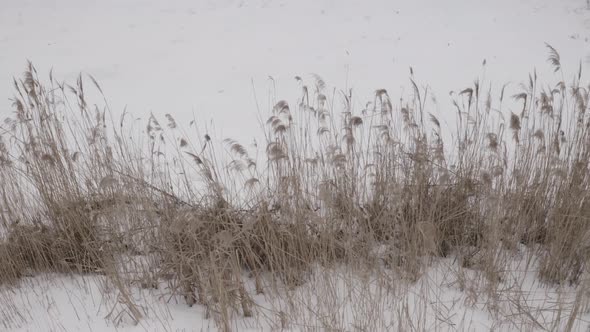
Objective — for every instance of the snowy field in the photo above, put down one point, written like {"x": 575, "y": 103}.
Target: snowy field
{"x": 202, "y": 57}
{"x": 219, "y": 61}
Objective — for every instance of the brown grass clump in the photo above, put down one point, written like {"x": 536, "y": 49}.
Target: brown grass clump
{"x": 386, "y": 189}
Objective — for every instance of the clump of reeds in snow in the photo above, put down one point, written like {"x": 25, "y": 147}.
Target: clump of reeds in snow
{"x": 84, "y": 192}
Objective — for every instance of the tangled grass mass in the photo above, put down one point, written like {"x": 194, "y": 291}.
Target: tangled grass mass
{"x": 335, "y": 222}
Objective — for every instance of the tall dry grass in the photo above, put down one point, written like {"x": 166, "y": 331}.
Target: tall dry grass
{"x": 385, "y": 189}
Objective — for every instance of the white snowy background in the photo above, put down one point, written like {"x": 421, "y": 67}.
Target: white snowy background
{"x": 200, "y": 57}
{"x": 209, "y": 59}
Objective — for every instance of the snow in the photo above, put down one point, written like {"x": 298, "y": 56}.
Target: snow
{"x": 213, "y": 59}
{"x": 338, "y": 297}
{"x": 201, "y": 57}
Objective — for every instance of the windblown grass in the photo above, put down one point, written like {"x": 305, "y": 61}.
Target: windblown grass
{"x": 377, "y": 189}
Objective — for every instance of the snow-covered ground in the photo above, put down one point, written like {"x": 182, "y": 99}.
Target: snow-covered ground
{"x": 200, "y": 57}
{"x": 445, "y": 298}
{"x": 212, "y": 59}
